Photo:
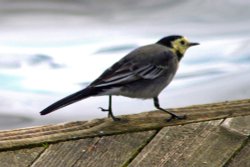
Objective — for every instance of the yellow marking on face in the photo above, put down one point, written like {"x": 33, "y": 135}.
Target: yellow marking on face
{"x": 180, "y": 45}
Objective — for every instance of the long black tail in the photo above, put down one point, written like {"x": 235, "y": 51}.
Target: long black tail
{"x": 82, "y": 94}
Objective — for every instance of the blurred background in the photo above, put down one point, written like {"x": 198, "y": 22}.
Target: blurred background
{"x": 52, "y": 48}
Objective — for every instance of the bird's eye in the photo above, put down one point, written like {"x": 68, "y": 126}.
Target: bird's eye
{"x": 182, "y": 42}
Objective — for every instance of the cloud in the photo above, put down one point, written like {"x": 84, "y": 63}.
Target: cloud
{"x": 43, "y": 59}
{"x": 17, "y": 61}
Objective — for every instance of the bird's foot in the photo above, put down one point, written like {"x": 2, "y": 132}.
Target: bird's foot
{"x": 110, "y": 114}
{"x": 115, "y": 118}
{"x": 104, "y": 110}
{"x": 176, "y": 117}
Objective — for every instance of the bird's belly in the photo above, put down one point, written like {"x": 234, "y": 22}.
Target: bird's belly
{"x": 146, "y": 93}
{"x": 146, "y": 89}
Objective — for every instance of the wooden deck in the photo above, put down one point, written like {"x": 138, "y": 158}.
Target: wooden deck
{"x": 213, "y": 135}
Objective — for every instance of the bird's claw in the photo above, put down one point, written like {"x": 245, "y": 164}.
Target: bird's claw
{"x": 176, "y": 117}
{"x": 104, "y": 110}
{"x": 116, "y": 119}
{"x": 110, "y": 115}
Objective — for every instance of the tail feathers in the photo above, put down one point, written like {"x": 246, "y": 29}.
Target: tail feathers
{"x": 85, "y": 93}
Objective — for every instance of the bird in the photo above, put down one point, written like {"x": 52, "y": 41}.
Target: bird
{"x": 143, "y": 73}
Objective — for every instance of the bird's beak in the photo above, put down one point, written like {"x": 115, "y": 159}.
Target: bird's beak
{"x": 193, "y": 44}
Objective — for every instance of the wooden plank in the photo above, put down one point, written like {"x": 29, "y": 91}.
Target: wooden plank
{"x": 242, "y": 159}
{"x": 130, "y": 123}
{"x": 105, "y": 151}
{"x": 64, "y": 153}
{"x": 240, "y": 125}
{"x": 198, "y": 144}
{"x": 20, "y": 158}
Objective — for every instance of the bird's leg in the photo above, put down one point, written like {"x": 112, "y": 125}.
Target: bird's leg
{"x": 109, "y": 110}
{"x": 173, "y": 116}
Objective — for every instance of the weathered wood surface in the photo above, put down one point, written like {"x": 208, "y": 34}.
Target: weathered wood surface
{"x": 130, "y": 123}
{"x": 242, "y": 159}
{"x": 240, "y": 125}
{"x": 206, "y": 144}
{"x": 198, "y": 144}
{"x": 215, "y": 143}
{"x": 111, "y": 151}
{"x": 20, "y": 158}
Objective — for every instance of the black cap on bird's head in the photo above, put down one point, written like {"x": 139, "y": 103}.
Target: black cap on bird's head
{"x": 177, "y": 43}
{"x": 167, "y": 41}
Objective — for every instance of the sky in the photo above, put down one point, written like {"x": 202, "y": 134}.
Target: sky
{"x": 50, "y": 49}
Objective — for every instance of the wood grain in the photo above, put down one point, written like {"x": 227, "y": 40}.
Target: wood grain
{"x": 95, "y": 152}
{"x": 20, "y": 158}
{"x": 198, "y": 144}
{"x": 64, "y": 153}
{"x": 242, "y": 159}
{"x": 130, "y": 123}
{"x": 239, "y": 125}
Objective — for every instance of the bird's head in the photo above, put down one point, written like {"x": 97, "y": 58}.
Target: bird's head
{"x": 177, "y": 44}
